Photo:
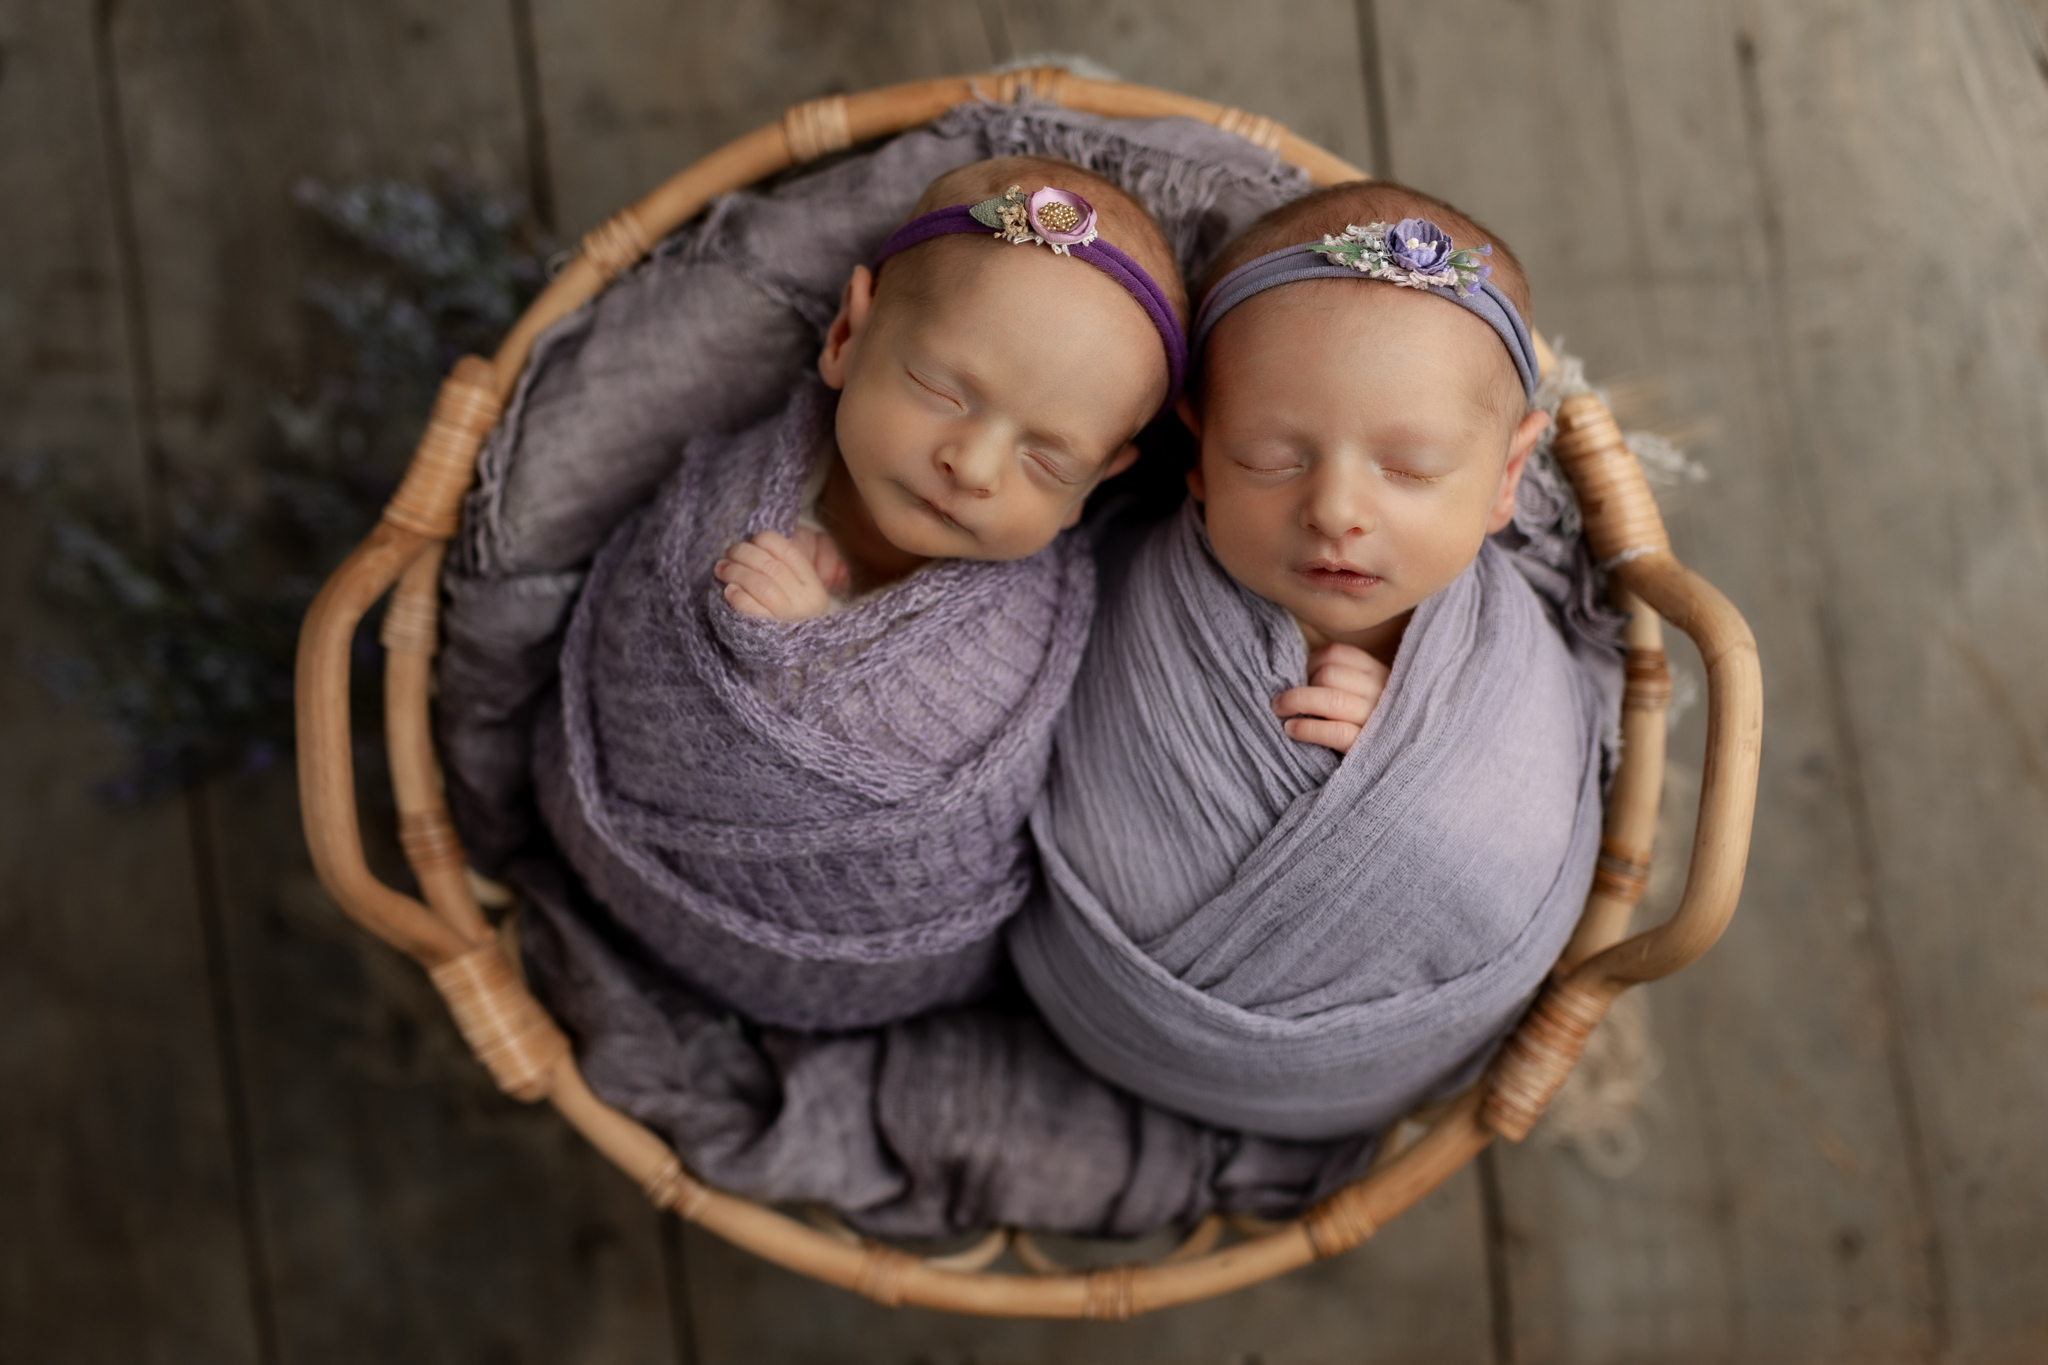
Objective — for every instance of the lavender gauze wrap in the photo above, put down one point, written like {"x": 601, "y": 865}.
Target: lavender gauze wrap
{"x": 820, "y": 825}
{"x": 1263, "y": 935}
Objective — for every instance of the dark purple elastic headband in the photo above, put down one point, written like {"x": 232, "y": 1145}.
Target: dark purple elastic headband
{"x": 1098, "y": 253}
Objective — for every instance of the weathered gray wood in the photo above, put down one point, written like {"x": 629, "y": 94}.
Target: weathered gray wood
{"x": 1774, "y": 1217}
{"x": 1297, "y": 61}
{"x": 633, "y": 90}
{"x": 1407, "y": 1295}
{"x": 412, "y": 1212}
{"x": 1888, "y": 137}
{"x": 123, "y": 1238}
{"x": 1820, "y": 225}
{"x": 407, "y": 1211}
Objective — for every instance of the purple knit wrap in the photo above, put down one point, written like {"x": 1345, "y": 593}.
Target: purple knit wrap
{"x": 820, "y": 825}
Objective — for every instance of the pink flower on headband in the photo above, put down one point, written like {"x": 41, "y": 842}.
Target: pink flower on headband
{"x": 1061, "y": 218}
{"x": 1049, "y": 217}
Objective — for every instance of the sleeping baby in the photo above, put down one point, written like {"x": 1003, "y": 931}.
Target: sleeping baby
{"x": 1326, "y": 800}
{"x": 807, "y": 695}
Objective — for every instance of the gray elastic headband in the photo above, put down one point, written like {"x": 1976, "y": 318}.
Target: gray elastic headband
{"x": 1303, "y": 262}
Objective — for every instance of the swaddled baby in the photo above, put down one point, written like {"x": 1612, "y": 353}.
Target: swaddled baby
{"x": 807, "y": 696}
{"x": 1326, "y": 800}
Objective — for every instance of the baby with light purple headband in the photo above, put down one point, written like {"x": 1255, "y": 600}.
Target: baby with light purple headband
{"x": 1349, "y": 524}
{"x": 1326, "y": 798}
{"x": 985, "y": 390}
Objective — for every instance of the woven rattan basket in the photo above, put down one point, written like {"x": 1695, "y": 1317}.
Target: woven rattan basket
{"x": 528, "y": 1056}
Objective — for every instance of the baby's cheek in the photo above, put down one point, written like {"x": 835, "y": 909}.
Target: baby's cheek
{"x": 1251, "y": 550}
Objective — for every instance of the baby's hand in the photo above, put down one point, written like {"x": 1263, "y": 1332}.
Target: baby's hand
{"x": 1344, "y": 684}
{"x": 783, "y": 578}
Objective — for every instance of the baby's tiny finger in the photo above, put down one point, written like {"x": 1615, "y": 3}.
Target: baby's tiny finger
{"x": 1329, "y": 703}
{"x": 1330, "y": 734}
{"x": 784, "y": 550}
{"x": 753, "y": 556}
{"x": 742, "y": 601}
{"x": 1351, "y": 656}
{"x": 1351, "y": 680}
{"x": 760, "y": 586}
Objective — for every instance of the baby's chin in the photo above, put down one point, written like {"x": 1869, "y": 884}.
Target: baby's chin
{"x": 1340, "y": 622}
{"x": 923, "y": 535}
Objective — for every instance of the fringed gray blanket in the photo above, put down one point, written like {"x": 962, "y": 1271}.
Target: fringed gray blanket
{"x": 820, "y": 825}
{"x": 1263, "y": 935}
{"x": 958, "y": 1121}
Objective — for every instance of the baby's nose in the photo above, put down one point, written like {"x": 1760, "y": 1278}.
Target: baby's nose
{"x": 975, "y": 466}
{"x": 1337, "y": 510}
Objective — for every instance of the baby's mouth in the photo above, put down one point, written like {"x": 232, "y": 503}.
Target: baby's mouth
{"x": 931, "y": 509}
{"x": 1331, "y": 574}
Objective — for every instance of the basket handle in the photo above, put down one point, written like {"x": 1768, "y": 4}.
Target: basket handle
{"x": 1626, "y": 532}
{"x": 420, "y": 517}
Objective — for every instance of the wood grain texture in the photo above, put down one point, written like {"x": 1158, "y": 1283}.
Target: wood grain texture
{"x": 1761, "y": 205}
{"x": 414, "y": 1212}
{"x": 124, "y": 1240}
{"x": 233, "y": 105}
{"x": 634, "y": 90}
{"x": 1774, "y": 1215}
{"x": 408, "y": 1212}
{"x": 1915, "y": 373}
{"x": 1296, "y": 61}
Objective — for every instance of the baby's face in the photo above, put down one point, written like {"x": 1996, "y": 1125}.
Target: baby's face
{"x": 1355, "y": 451}
{"x": 975, "y": 420}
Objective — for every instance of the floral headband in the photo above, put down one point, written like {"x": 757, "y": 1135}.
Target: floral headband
{"x": 1065, "y": 222}
{"x": 1413, "y": 253}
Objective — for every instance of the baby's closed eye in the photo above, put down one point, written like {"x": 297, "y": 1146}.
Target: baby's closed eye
{"x": 936, "y": 393}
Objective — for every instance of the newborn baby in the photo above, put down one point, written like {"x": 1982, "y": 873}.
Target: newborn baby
{"x": 807, "y": 696}
{"x": 1326, "y": 800}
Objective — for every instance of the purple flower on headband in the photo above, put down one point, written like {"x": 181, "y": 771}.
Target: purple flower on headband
{"x": 1419, "y": 245}
{"x": 1061, "y": 218}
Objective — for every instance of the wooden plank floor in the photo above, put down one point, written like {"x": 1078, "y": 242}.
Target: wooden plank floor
{"x": 235, "y": 1130}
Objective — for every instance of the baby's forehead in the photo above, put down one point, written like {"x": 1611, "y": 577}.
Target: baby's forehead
{"x": 1320, "y": 327}
{"x": 995, "y": 283}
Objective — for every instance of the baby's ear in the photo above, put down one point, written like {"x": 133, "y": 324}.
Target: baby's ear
{"x": 856, "y": 305}
{"x": 1519, "y": 445}
{"x": 1185, "y": 406}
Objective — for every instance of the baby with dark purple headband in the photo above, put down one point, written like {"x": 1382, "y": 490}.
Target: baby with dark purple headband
{"x": 993, "y": 367}
{"x": 807, "y": 695}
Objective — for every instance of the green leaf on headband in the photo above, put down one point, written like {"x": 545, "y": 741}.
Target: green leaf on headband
{"x": 990, "y": 212}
